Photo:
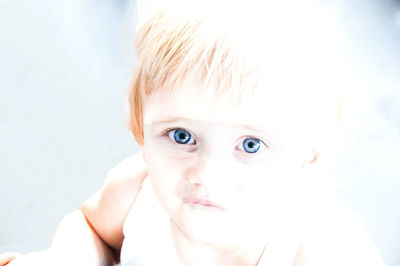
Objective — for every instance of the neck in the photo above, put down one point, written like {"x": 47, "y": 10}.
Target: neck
{"x": 192, "y": 253}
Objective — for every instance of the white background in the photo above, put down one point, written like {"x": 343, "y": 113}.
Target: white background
{"x": 64, "y": 70}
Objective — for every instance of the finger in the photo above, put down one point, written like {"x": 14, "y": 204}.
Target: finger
{"x": 6, "y": 258}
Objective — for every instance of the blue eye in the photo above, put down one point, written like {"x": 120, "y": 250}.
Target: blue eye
{"x": 181, "y": 136}
{"x": 251, "y": 145}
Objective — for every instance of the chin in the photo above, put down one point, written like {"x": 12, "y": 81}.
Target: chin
{"x": 211, "y": 230}
{"x": 214, "y": 238}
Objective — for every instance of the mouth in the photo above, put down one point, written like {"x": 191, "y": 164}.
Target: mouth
{"x": 202, "y": 203}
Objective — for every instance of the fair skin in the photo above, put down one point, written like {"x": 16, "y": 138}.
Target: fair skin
{"x": 93, "y": 234}
{"x": 214, "y": 166}
{"x": 226, "y": 201}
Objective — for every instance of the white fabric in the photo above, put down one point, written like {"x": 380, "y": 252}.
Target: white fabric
{"x": 280, "y": 252}
{"x": 148, "y": 240}
{"x": 147, "y": 232}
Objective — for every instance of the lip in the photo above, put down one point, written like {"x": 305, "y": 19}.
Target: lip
{"x": 202, "y": 202}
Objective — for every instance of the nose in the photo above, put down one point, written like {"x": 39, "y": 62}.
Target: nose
{"x": 209, "y": 170}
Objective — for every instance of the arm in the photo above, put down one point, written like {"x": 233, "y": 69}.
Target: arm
{"x": 92, "y": 235}
{"x": 120, "y": 189}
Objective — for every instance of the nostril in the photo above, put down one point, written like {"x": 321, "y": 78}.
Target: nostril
{"x": 194, "y": 180}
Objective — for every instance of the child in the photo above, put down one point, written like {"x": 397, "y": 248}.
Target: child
{"x": 236, "y": 120}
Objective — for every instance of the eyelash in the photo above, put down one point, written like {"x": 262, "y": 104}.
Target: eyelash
{"x": 167, "y": 131}
{"x": 263, "y": 146}
{"x": 253, "y": 137}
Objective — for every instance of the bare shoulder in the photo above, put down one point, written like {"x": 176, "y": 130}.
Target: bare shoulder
{"x": 341, "y": 238}
{"x": 107, "y": 209}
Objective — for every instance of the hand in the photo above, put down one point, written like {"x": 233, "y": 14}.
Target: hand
{"x": 6, "y": 258}
{"x": 33, "y": 259}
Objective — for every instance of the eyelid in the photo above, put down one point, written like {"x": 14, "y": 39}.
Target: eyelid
{"x": 253, "y": 137}
{"x": 240, "y": 145}
{"x": 168, "y": 130}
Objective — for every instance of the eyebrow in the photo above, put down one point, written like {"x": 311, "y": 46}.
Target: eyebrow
{"x": 167, "y": 120}
{"x": 170, "y": 120}
{"x": 252, "y": 128}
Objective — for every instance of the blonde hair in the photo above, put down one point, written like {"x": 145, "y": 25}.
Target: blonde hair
{"x": 219, "y": 49}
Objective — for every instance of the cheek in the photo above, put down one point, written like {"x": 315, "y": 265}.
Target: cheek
{"x": 163, "y": 174}
{"x": 166, "y": 175}
{"x": 163, "y": 182}
{"x": 269, "y": 190}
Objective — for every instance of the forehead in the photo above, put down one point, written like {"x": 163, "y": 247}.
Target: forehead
{"x": 193, "y": 105}
{"x": 261, "y": 110}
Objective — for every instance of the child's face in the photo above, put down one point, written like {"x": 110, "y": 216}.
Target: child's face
{"x": 223, "y": 171}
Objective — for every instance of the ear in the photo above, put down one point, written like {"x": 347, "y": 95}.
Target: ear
{"x": 143, "y": 154}
{"x": 127, "y": 113}
{"x": 311, "y": 158}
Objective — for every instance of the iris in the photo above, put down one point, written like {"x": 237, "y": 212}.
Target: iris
{"x": 182, "y": 136}
{"x": 251, "y": 145}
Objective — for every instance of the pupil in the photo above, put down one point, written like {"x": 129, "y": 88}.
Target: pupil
{"x": 251, "y": 145}
{"x": 182, "y": 137}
